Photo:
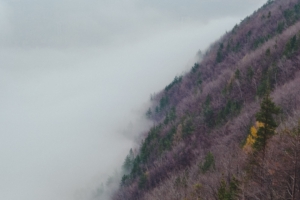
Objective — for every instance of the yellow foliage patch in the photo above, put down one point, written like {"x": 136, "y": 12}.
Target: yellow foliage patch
{"x": 252, "y": 136}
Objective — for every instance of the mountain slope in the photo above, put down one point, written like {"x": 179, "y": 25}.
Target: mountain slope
{"x": 196, "y": 150}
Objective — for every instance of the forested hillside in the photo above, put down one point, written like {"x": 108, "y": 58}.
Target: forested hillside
{"x": 229, "y": 128}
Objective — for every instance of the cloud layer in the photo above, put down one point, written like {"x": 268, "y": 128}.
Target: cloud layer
{"x": 65, "y": 23}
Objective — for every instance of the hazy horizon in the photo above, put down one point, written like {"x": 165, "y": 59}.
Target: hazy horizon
{"x": 76, "y": 78}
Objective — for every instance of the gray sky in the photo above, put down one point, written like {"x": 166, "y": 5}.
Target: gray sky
{"x": 74, "y": 74}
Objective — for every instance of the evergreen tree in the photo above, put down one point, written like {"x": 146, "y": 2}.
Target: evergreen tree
{"x": 128, "y": 163}
{"x": 265, "y": 116}
{"x": 208, "y": 112}
{"x": 228, "y": 192}
{"x": 222, "y": 191}
{"x": 143, "y": 181}
{"x": 209, "y": 162}
{"x": 149, "y": 113}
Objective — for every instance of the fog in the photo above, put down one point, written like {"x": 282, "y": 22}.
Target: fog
{"x": 76, "y": 78}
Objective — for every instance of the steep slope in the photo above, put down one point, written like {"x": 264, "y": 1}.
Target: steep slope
{"x": 196, "y": 149}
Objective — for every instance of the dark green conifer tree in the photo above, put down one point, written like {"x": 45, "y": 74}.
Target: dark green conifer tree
{"x": 228, "y": 192}
{"x": 265, "y": 116}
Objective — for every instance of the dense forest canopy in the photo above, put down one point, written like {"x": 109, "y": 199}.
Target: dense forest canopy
{"x": 230, "y": 127}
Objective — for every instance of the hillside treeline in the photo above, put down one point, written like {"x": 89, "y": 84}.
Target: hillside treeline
{"x": 230, "y": 127}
